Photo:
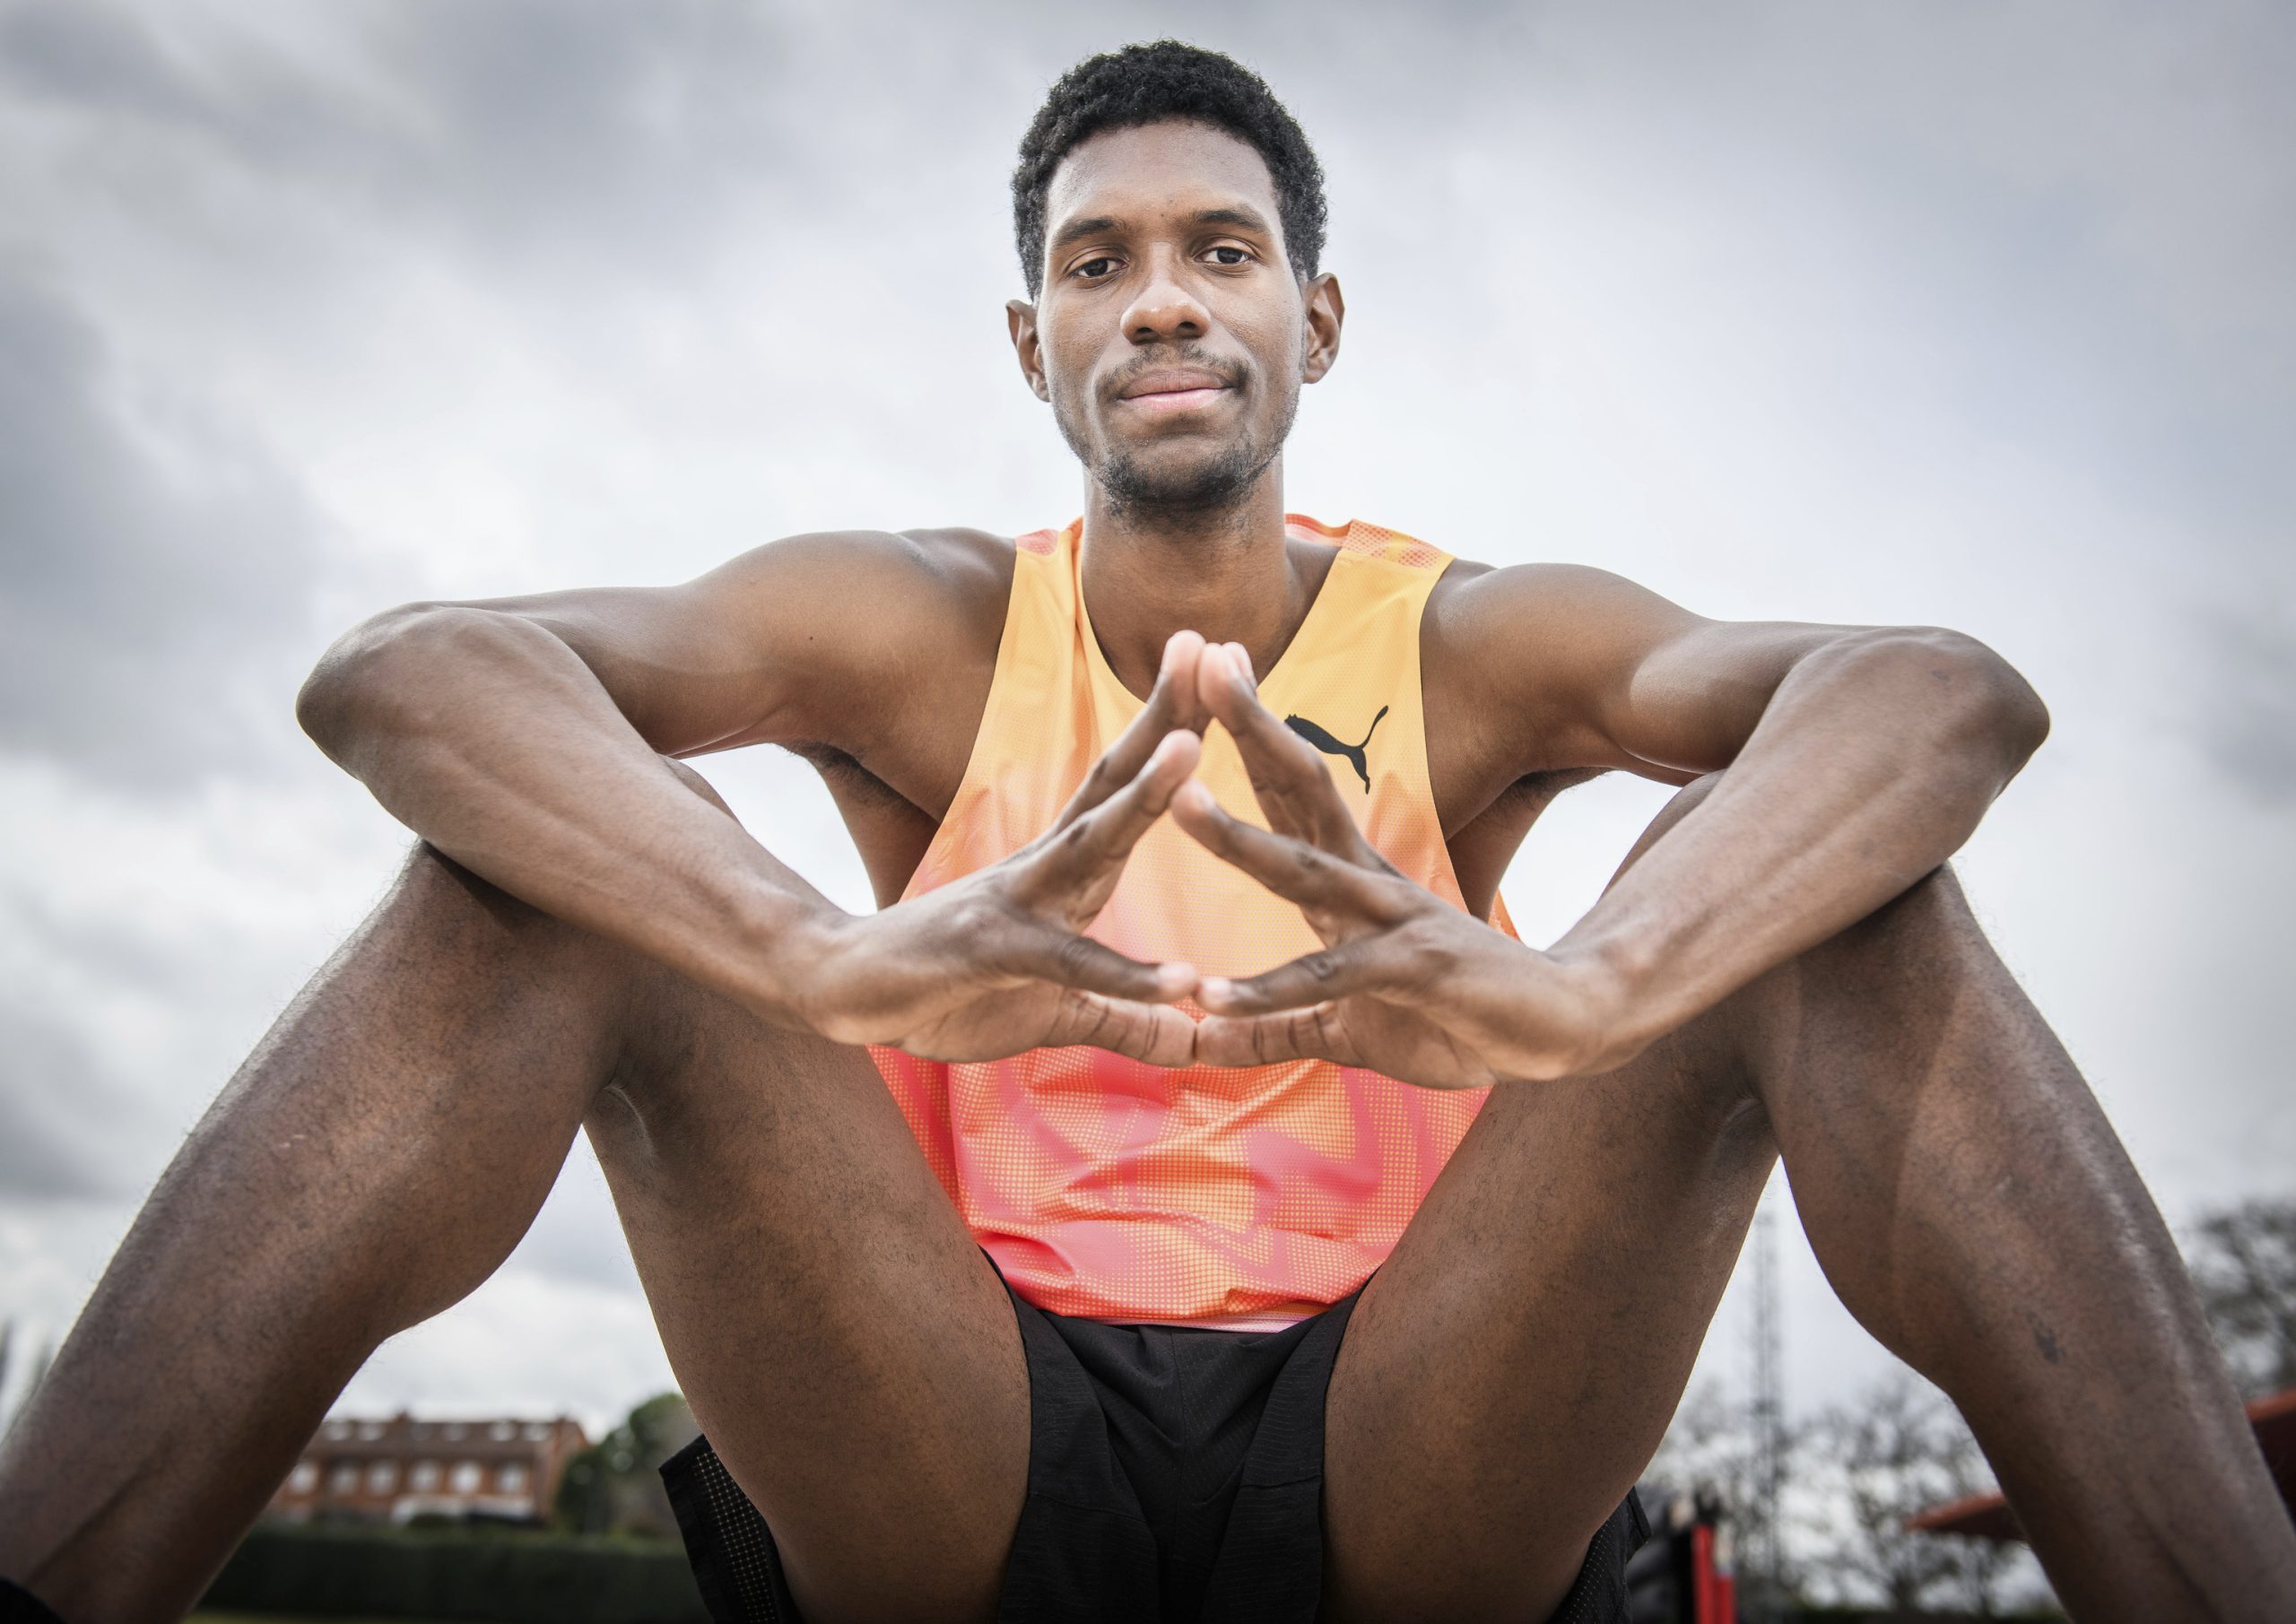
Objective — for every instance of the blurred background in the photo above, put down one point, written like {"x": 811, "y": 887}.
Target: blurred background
{"x": 1975, "y": 316}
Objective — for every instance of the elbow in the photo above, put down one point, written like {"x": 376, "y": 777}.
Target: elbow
{"x": 2025, "y": 718}
{"x": 366, "y": 668}
{"x": 1992, "y": 698}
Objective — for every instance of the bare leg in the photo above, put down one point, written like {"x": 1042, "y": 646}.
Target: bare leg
{"x": 1510, "y": 1371}
{"x": 850, "y": 1350}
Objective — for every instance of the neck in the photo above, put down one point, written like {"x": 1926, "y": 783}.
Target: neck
{"x": 1230, "y": 574}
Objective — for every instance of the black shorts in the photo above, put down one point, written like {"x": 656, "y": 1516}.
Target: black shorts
{"x": 1174, "y": 1474}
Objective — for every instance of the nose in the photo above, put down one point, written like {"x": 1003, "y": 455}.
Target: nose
{"x": 1164, "y": 309}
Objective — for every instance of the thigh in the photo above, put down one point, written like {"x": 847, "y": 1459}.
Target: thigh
{"x": 848, "y": 1350}
{"x": 1512, "y": 1366}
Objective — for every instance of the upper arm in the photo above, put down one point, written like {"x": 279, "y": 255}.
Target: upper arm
{"x": 1588, "y": 669}
{"x": 809, "y": 639}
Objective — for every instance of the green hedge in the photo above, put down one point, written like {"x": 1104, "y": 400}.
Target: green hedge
{"x": 484, "y": 1576}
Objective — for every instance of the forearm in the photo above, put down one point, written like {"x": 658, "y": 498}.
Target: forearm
{"x": 1871, "y": 764}
{"x": 491, "y": 739}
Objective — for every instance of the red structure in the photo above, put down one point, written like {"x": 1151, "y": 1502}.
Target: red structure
{"x": 1682, "y": 1574}
{"x": 1715, "y": 1598}
{"x": 1988, "y": 1516}
{"x": 392, "y": 1470}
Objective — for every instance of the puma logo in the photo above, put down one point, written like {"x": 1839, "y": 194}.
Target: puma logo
{"x": 1330, "y": 746}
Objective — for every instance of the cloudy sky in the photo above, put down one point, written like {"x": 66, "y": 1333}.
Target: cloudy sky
{"x": 1953, "y": 315}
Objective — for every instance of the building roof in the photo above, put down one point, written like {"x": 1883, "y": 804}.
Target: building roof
{"x": 480, "y": 1438}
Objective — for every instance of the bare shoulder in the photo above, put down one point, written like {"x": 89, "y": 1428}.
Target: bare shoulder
{"x": 821, "y": 637}
{"x": 882, "y": 624}
{"x": 1521, "y": 646}
{"x": 975, "y": 567}
{"x": 932, "y": 572}
{"x": 1549, "y": 611}
{"x": 1575, "y": 666}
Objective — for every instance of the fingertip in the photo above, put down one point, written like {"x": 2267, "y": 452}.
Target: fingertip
{"x": 1175, "y": 980}
{"x": 1180, "y": 745}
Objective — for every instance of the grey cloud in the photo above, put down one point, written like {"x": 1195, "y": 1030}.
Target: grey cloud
{"x": 575, "y": 1237}
{"x": 569, "y": 139}
{"x": 144, "y": 612}
{"x": 2247, "y": 722}
{"x": 54, "y": 1104}
{"x": 93, "y": 57}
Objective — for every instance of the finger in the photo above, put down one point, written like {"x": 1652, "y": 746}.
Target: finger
{"x": 1157, "y": 1034}
{"x": 1077, "y": 962}
{"x": 1174, "y": 702}
{"x": 1287, "y": 773}
{"x": 1315, "y": 1033}
{"x": 1295, "y": 870}
{"x": 1095, "y": 845}
{"x": 1369, "y": 964}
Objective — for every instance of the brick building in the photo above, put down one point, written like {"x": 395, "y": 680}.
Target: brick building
{"x": 390, "y": 1471}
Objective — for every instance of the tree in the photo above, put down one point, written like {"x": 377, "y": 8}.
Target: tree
{"x": 1710, "y": 1448}
{"x": 1900, "y": 1450}
{"x": 615, "y": 1485}
{"x": 2243, "y": 1261}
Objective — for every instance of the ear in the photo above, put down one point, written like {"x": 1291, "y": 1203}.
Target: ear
{"x": 1325, "y": 311}
{"x": 1021, "y": 320}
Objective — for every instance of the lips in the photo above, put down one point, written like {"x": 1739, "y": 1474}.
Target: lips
{"x": 1174, "y": 390}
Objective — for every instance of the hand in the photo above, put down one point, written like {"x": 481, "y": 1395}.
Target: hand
{"x": 1406, "y": 984}
{"x": 996, "y": 963}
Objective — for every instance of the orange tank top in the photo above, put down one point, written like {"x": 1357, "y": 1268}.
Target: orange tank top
{"x": 1240, "y": 1197}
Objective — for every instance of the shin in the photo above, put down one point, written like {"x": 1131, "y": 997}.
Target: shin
{"x": 374, "y": 1159}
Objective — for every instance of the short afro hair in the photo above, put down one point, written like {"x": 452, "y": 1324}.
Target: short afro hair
{"x": 1146, "y": 84}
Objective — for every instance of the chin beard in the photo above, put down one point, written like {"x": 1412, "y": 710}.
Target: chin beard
{"x": 1198, "y": 492}
{"x": 1207, "y": 489}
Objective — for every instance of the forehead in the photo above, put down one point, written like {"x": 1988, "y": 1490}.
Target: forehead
{"x": 1149, "y": 169}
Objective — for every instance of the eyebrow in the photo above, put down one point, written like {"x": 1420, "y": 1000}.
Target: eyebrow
{"x": 1238, "y": 215}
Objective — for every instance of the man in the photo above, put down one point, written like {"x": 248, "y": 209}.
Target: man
{"x": 1249, "y": 1230}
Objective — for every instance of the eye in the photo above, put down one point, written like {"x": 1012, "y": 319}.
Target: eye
{"x": 1243, "y": 255}
{"x": 1085, "y": 268}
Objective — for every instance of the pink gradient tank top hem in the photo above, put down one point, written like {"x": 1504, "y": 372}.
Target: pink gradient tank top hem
{"x": 1249, "y": 1322}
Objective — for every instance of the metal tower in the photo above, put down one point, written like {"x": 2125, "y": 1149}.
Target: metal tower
{"x": 1765, "y": 1415}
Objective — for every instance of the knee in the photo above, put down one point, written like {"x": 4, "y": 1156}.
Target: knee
{"x": 438, "y": 890}
{"x": 444, "y": 922}
{"x": 1929, "y": 922}
{"x": 1890, "y": 979}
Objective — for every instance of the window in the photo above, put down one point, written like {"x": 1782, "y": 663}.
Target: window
{"x": 420, "y": 1430}
{"x": 468, "y": 1475}
{"x": 455, "y": 1429}
{"x": 345, "y": 1477}
{"x": 511, "y": 1479}
{"x": 304, "y": 1478}
{"x": 382, "y": 1477}
{"x": 504, "y": 1431}
{"x": 424, "y": 1478}
{"x": 369, "y": 1431}
{"x": 338, "y": 1429}
{"x": 537, "y": 1432}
